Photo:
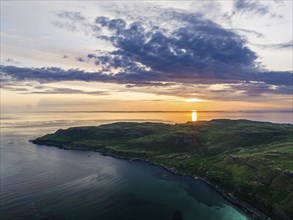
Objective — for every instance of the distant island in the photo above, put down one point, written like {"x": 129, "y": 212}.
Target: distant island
{"x": 246, "y": 160}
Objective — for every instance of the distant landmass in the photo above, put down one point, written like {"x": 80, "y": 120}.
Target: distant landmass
{"x": 248, "y": 160}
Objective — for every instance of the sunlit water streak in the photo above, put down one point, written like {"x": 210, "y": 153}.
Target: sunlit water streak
{"x": 193, "y": 115}
{"x": 39, "y": 181}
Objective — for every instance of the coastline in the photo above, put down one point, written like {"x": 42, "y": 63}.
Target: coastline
{"x": 239, "y": 204}
{"x": 244, "y": 207}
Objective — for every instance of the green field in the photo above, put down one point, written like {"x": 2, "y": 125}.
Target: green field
{"x": 250, "y": 160}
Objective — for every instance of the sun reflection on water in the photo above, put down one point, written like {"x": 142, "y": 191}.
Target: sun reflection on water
{"x": 194, "y": 116}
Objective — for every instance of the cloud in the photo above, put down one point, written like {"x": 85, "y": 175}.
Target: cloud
{"x": 10, "y": 61}
{"x": 288, "y": 45}
{"x": 285, "y": 45}
{"x": 55, "y": 74}
{"x": 198, "y": 47}
{"x": 246, "y": 31}
{"x": 245, "y": 91}
{"x": 73, "y": 21}
{"x": 80, "y": 59}
{"x": 251, "y": 6}
{"x": 257, "y": 89}
{"x": 48, "y": 102}
{"x": 75, "y": 16}
{"x": 148, "y": 53}
{"x": 23, "y": 87}
{"x": 266, "y": 83}
{"x": 66, "y": 91}
{"x": 254, "y": 7}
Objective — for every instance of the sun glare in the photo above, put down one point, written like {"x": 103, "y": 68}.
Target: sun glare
{"x": 194, "y": 116}
{"x": 193, "y": 100}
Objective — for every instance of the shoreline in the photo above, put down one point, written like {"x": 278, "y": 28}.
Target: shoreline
{"x": 244, "y": 207}
{"x": 240, "y": 205}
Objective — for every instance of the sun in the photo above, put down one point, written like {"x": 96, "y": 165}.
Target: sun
{"x": 193, "y": 100}
{"x": 194, "y": 115}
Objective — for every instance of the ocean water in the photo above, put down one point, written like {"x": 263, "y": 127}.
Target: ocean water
{"x": 39, "y": 182}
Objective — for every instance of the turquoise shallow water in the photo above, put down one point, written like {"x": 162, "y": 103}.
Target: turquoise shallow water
{"x": 39, "y": 182}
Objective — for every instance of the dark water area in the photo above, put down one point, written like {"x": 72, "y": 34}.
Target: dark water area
{"x": 39, "y": 182}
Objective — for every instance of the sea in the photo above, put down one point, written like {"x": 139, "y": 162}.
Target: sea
{"x": 47, "y": 183}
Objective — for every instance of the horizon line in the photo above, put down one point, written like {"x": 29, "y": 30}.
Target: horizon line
{"x": 150, "y": 111}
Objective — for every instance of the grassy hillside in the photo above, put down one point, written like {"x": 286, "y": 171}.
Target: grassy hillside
{"x": 250, "y": 160}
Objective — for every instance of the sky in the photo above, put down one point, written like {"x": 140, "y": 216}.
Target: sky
{"x": 146, "y": 55}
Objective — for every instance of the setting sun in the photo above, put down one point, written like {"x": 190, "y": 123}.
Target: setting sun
{"x": 194, "y": 116}
{"x": 193, "y": 100}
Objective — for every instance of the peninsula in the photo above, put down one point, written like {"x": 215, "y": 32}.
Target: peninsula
{"x": 250, "y": 161}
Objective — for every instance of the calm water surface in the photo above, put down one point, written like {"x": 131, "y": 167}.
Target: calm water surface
{"x": 39, "y": 182}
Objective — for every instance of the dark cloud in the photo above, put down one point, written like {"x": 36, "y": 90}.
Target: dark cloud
{"x": 55, "y": 74}
{"x": 198, "y": 47}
